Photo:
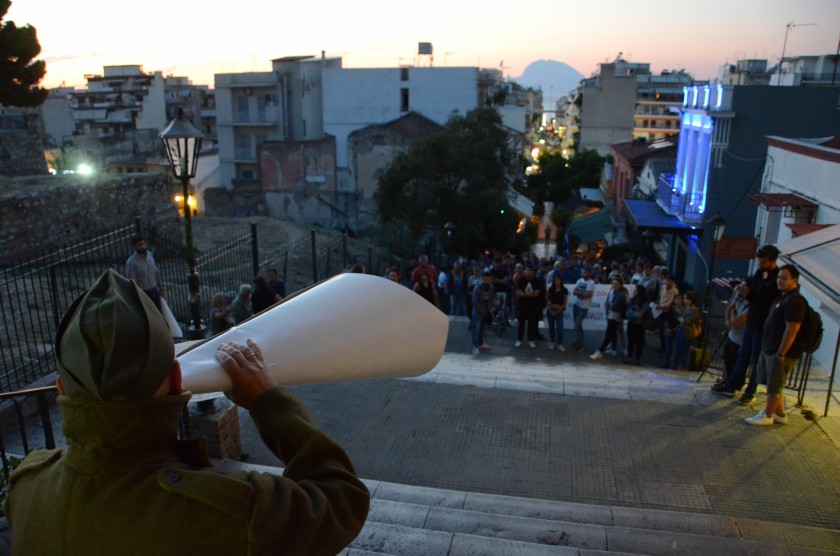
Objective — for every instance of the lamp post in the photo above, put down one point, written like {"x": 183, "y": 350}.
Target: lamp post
{"x": 182, "y": 141}
{"x": 717, "y": 226}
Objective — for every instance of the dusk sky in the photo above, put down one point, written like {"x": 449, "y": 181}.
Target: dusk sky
{"x": 200, "y": 39}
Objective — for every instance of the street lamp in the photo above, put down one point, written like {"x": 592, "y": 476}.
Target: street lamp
{"x": 182, "y": 141}
{"x": 717, "y": 226}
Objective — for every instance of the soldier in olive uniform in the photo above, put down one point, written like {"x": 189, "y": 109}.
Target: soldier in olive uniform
{"x": 127, "y": 485}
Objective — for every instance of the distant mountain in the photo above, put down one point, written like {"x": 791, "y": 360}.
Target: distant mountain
{"x": 555, "y": 79}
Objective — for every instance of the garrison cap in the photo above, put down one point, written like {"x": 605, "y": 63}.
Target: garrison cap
{"x": 112, "y": 343}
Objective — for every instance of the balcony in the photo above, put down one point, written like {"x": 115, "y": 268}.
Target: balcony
{"x": 685, "y": 207}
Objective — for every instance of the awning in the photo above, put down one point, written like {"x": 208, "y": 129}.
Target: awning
{"x": 593, "y": 227}
{"x": 648, "y": 215}
{"x": 771, "y": 200}
{"x": 817, "y": 255}
{"x": 802, "y": 229}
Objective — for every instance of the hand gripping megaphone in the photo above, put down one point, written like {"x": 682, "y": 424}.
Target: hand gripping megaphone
{"x": 352, "y": 326}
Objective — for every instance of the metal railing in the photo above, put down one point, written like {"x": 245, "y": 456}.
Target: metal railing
{"x": 18, "y": 399}
{"x": 686, "y": 207}
{"x": 35, "y": 293}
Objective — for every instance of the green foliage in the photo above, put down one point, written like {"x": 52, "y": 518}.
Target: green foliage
{"x": 19, "y": 74}
{"x": 560, "y": 177}
{"x": 457, "y": 176}
{"x": 561, "y": 216}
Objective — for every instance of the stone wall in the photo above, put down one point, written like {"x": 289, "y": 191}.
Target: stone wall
{"x": 21, "y": 150}
{"x": 43, "y": 213}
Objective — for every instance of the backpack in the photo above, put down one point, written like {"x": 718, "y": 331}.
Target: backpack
{"x": 810, "y": 334}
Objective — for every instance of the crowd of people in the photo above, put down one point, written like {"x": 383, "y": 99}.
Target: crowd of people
{"x": 762, "y": 318}
{"x": 523, "y": 290}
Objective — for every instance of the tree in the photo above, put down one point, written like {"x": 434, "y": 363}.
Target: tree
{"x": 457, "y": 176}
{"x": 19, "y": 74}
{"x": 560, "y": 177}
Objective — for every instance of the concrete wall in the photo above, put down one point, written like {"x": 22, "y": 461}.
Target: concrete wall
{"x": 298, "y": 179}
{"x": 42, "y": 213}
{"x": 371, "y": 151}
{"x": 153, "y": 114}
{"x": 356, "y": 98}
{"x": 606, "y": 114}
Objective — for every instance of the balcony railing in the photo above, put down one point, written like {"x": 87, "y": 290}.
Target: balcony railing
{"x": 685, "y": 207}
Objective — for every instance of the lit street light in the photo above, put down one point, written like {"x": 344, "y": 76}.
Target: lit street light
{"x": 182, "y": 142}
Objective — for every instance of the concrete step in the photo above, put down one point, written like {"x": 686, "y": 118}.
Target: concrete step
{"x": 411, "y": 520}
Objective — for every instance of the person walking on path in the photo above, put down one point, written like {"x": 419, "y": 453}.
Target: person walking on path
{"x": 616, "y": 303}
{"x": 687, "y": 331}
{"x": 530, "y": 291}
{"x": 735, "y": 320}
{"x": 556, "y": 298}
{"x": 779, "y": 352}
{"x": 483, "y": 300}
{"x": 582, "y": 300}
{"x": 637, "y": 308}
{"x": 141, "y": 268}
{"x": 761, "y": 291}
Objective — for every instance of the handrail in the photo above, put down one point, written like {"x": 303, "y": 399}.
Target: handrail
{"x": 46, "y": 423}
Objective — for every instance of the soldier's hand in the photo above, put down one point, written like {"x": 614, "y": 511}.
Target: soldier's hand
{"x": 246, "y": 368}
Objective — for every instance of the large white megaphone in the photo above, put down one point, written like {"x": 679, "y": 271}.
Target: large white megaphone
{"x": 352, "y": 326}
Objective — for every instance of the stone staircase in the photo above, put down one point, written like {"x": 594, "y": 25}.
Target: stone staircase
{"x": 418, "y": 521}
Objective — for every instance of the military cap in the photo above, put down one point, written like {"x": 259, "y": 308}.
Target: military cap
{"x": 112, "y": 343}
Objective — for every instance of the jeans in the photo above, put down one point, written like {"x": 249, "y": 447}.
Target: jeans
{"x": 456, "y": 305}
{"x": 747, "y": 355}
{"x": 730, "y": 357}
{"x": 621, "y": 334}
{"x": 505, "y": 311}
{"x": 154, "y": 295}
{"x": 635, "y": 340}
{"x": 555, "y": 327}
{"x": 611, "y": 336}
{"x": 579, "y": 313}
{"x": 529, "y": 316}
{"x": 477, "y": 330}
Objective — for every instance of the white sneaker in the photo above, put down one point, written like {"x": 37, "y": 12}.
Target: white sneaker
{"x": 760, "y": 419}
{"x": 532, "y": 344}
{"x": 597, "y": 355}
{"x": 475, "y": 351}
{"x": 551, "y": 346}
{"x": 780, "y": 419}
{"x": 517, "y": 344}
{"x": 561, "y": 348}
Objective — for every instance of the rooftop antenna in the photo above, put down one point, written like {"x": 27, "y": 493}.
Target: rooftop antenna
{"x": 788, "y": 28}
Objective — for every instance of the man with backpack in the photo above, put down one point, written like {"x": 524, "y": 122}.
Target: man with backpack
{"x": 761, "y": 291}
{"x": 781, "y": 347}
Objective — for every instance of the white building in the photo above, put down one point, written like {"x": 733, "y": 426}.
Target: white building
{"x": 808, "y": 70}
{"x": 305, "y": 98}
{"x": 800, "y": 212}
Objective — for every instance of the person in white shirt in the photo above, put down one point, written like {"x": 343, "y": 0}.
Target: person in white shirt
{"x": 581, "y": 301}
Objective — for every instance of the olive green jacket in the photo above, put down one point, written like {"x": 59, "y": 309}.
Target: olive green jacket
{"x": 127, "y": 486}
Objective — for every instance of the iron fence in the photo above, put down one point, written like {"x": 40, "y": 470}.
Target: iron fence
{"x": 35, "y": 293}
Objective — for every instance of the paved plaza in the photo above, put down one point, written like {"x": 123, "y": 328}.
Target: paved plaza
{"x": 557, "y": 426}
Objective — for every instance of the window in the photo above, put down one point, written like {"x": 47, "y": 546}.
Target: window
{"x": 403, "y": 74}
{"x": 403, "y": 100}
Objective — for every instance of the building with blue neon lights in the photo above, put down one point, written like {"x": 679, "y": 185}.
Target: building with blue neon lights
{"x": 721, "y": 157}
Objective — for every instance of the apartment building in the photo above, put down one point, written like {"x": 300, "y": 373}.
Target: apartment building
{"x": 812, "y": 71}
{"x": 622, "y": 102}
{"x": 308, "y": 99}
